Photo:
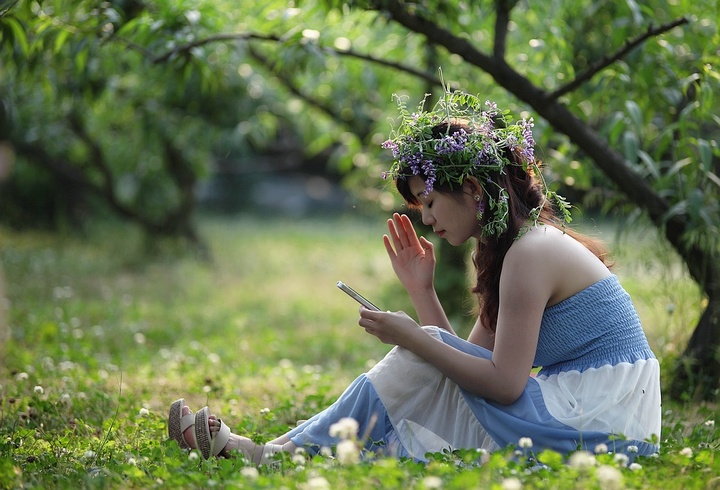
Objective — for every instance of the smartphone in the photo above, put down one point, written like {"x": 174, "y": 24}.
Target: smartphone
{"x": 357, "y": 296}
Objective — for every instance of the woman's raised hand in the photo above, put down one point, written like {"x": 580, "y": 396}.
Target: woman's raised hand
{"x": 412, "y": 258}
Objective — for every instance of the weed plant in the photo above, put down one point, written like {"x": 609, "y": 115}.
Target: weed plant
{"x": 105, "y": 336}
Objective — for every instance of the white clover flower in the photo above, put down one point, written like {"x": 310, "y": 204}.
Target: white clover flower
{"x": 326, "y": 452}
{"x": 709, "y": 423}
{"x": 601, "y": 449}
{"x": 21, "y": 376}
{"x": 298, "y": 459}
{"x": 250, "y": 472}
{"x": 511, "y": 483}
{"x": 132, "y": 461}
{"x": 525, "y": 443}
{"x": 144, "y": 412}
{"x": 193, "y": 455}
{"x": 39, "y": 390}
{"x": 65, "y": 398}
{"x": 635, "y": 466}
{"x": 632, "y": 449}
{"x": 686, "y": 451}
{"x": 484, "y": 455}
{"x": 316, "y": 483}
{"x": 347, "y": 452}
{"x": 66, "y": 365}
{"x": 609, "y": 477}
{"x": 582, "y": 460}
{"x": 432, "y": 482}
{"x": 264, "y": 411}
{"x": 621, "y": 459}
{"x": 345, "y": 428}
{"x": 88, "y": 455}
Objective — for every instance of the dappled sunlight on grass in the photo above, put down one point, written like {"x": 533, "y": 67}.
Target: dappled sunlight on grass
{"x": 105, "y": 337}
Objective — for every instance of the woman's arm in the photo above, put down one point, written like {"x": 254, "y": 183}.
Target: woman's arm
{"x": 484, "y": 337}
{"x": 526, "y": 284}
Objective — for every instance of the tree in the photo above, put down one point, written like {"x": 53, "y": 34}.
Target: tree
{"x": 94, "y": 117}
{"x": 628, "y": 90}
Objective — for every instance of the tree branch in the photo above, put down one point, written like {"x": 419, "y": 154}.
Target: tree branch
{"x": 606, "y": 61}
{"x": 292, "y": 88}
{"x": 249, "y": 36}
{"x": 440, "y": 36}
{"x": 502, "y": 18}
{"x": 562, "y": 119}
{"x": 241, "y": 36}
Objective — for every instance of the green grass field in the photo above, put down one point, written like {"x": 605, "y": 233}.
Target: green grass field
{"x": 105, "y": 337}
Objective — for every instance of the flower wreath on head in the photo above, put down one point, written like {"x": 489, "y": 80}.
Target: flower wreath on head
{"x": 481, "y": 152}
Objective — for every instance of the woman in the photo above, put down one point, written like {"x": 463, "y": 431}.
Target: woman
{"x": 546, "y": 299}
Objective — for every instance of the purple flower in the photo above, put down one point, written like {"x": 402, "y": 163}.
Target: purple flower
{"x": 492, "y": 108}
{"x": 429, "y": 170}
{"x": 452, "y": 143}
{"x": 391, "y": 145}
{"x": 412, "y": 161}
{"x": 528, "y": 147}
{"x": 486, "y": 127}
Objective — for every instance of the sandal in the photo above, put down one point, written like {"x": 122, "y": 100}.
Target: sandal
{"x": 177, "y": 423}
{"x": 208, "y": 444}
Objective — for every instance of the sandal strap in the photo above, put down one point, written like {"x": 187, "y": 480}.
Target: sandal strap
{"x": 187, "y": 421}
{"x": 220, "y": 440}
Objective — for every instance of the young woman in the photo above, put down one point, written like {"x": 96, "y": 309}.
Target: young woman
{"x": 546, "y": 299}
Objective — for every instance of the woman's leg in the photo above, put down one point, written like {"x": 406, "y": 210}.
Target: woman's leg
{"x": 359, "y": 402}
{"x": 257, "y": 453}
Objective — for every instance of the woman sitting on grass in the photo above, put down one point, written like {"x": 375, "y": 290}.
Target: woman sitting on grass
{"x": 546, "y": 299}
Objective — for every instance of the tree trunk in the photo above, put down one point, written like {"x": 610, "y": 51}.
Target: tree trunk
{"x": 697, "y": 373}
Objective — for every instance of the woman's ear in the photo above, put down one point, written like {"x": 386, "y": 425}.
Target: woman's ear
{"x": 473, "y": 186}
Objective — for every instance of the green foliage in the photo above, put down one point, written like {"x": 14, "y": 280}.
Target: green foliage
{"x": 104, "y": 339}
{"x": 223, "y": 78}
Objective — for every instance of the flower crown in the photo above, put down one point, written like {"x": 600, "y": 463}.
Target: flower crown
{"x": 448, "y": 158}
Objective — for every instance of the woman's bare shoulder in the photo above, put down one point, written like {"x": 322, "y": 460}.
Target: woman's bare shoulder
{"x": 565, "y": 264}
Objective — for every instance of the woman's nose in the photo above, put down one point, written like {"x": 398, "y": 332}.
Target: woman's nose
{"x": 427, "y": 218}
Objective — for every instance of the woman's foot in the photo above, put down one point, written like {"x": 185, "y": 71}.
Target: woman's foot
{"x": 256, "y": 453}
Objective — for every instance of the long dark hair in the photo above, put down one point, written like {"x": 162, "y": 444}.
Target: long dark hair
{"x": 525, "y": 193}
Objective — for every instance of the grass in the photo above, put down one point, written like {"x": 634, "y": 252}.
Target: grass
{"x": 105, "y": 337}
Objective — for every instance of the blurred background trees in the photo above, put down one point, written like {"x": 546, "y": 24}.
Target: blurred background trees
{"x": 145, "y": 110}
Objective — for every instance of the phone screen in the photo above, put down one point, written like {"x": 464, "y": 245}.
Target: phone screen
{"x": 357, "y": 296}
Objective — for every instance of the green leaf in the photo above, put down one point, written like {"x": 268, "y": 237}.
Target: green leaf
{"x": 19, "y": 38}
{"x": 705, "y": 151}
{"x": 679, "y": 165}
{"x": 60, "y": 40}
{"x": 650, "y": 164}
{"x": 635, "y": 113}
{"x": 631, "y": 146}
{"x": 550, "y": 458}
